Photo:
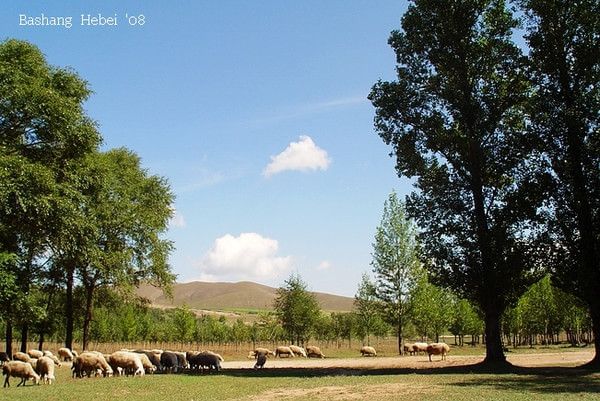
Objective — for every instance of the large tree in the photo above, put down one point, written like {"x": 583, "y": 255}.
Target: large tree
{"x": 128, "y": 211}
{"x": 564, "y": 38}
{"x": 454, "y": 119}
{"x": 42, "y": 128}
{"x": 396, "y": 265}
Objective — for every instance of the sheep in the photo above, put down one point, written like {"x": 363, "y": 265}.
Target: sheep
{"x": 89, "y": 362}
{"x": 149, "y": 367}
{"x": 257, "y": 351}
{"x": 206, "y": 359}
{"x": 408, "y": 348}
{"x": 19, "y": 369}
{"x": 66, "y": 354}
{"x": 34, "y": 353}
{"x": 33, "y": 363}
{"x": 45, "y": 368}
{"x": 21, "y": 356}
{"x": 54, "y": 359}
{"x": 281, "y": 350}
{"x": 419, "y": 347}
{"x": 368, "y": 351}
{"x": 181, "y": 360}
{"x": 152, "y": 357}
{"x": 127, "y": 361}
{"x": 168, "y": 361}
{"x": 3, "y": 358}
{"x": 312, "y": 351}
{"x": 298, "y": 350}
{"x": 438, "y": 349}
{"x": 261, "y": 359}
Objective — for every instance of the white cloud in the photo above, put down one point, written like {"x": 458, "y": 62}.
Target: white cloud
{"x": 249, "y": 256}
{"x": 303, "y": 155}
{"x": 324, "y": 265}
{"x": 177, "y": 220}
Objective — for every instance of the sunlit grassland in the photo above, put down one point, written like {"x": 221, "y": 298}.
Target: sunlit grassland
{"x": 454, "y": 383}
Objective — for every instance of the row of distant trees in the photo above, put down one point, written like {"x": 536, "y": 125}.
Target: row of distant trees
{"x": 543, "y": 315}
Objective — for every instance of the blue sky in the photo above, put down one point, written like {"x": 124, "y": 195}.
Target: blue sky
{"x": 255, "y": 112}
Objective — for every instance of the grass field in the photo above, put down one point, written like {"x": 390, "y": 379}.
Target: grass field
{"x": 454, "y": 381}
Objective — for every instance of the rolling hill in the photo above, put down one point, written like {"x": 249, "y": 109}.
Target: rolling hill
{"x": 232, "y": 296}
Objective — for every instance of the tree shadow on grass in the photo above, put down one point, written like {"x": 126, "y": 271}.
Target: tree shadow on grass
{"x": 502, "y": 377}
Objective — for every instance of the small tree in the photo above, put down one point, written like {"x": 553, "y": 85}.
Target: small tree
{"x": 297, "y": 309}
{"x": 366, "y": 307}
{"x": 432, "y": 310}
{"x": 395, "y": 264}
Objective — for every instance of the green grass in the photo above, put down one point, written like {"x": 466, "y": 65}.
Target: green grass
{"x": 455, "y": 383}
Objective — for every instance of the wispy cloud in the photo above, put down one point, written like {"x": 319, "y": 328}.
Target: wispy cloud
{"x": 303, "y": 155}
{"x": 311, "y": 108}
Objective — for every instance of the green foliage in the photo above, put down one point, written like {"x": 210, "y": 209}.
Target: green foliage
{"x": 297, "y": 309}
{"x": 455, "y": 120}
{"x": 395, "y": 264}
{"x": 432, "y": 311}
{"x": 367, "y": 309}
{"x": 565, "y": 70}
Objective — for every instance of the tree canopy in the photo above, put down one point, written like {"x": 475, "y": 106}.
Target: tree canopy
{"x": 454, "y": 118}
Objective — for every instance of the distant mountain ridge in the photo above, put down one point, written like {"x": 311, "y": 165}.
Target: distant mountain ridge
{"x": 228, "y": 296}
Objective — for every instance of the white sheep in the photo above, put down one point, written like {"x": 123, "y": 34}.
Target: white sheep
{"x": 66, "y": 354}
{"x": 91, "y": 362}
{"x": 281, "y": 350}
{"x": 45, "y": 368}
{"x": 128, "y": 361}
{"x": 298, "y": 350}
{"x": 419, "y": 347}
{"x": 368, "y": 351}
{"x": 312, "y": 351}
{"x": 21, "y": 356}
{"x": 19, "y": 369}
{"x": 438, "y": 349}
{"x": 34, "y": 353}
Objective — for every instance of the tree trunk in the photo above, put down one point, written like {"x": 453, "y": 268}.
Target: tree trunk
{"x": 400, "y": 350}
{"x": 494, "y": 354}
{"x": 69, "y": 308}
{"x": 89, "y": 305}
{"x": 9, "y": 338}
{"x": 24, "y": 335}
{"x": 595, "y": 314}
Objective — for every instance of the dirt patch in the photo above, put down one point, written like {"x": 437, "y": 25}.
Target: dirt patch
{"x": 338, "y": 393}
{"x": 557, "y": 359}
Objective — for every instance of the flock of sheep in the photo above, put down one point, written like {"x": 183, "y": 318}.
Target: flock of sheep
{"x": 39, "y": 366}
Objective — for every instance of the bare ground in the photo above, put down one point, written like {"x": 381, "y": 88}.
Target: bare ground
{"x": 554, "y": 359}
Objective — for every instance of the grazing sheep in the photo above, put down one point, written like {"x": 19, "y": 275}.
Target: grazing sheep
{"x": 34, "y": 353}
{"x": 129, "y": 362}
{"x": 54, "y": 358}
{"x": 419, "y": 347}
{"x": 312, "y": 351}
{"x": 45, "y": 368}
{"x": 19, "y": 369}
{"x": 21, "y": 356}
{"x": 90, "y": 362}
{"x": 149, "y": 367}
{"x": 33, "y": 363}
{"x": 281, "y": 350}
{"x": 169, "y": 361}
{"x": 182, "y": 362}
{"x": 261, "y": 359}
{"x": 206, "y": 359}
{"x": 298, "y": 350}
{"x": 152, "y": 357}
{"x": 3, "y": 358}
{"x": 65, "y": 354}
{"x": 368, "y": 351}
{"x": 257, "y": 351}
{"x": 438, "y": 349}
